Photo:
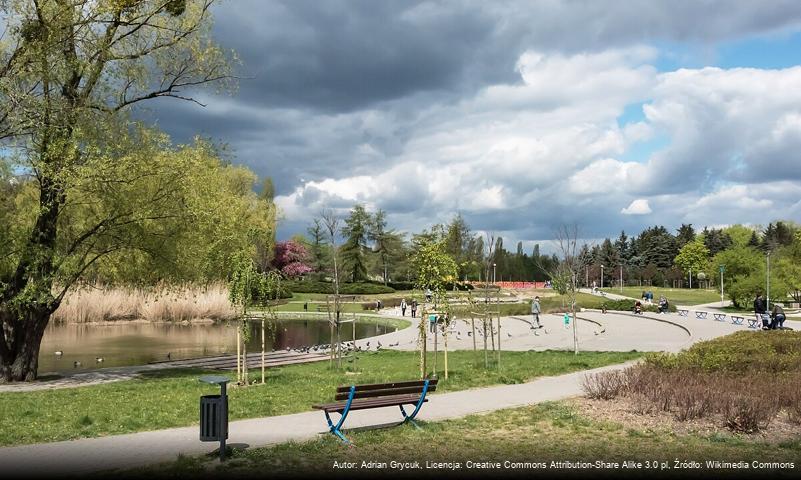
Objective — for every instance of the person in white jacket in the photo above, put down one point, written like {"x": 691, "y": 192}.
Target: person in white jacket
{"x": 536, "y": 310}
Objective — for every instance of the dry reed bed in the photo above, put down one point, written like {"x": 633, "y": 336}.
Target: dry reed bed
{"x": 747, "y": 379}
{"x": 160, "y": 304}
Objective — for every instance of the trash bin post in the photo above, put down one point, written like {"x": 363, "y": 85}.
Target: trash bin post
{"x": 218, "y": 413}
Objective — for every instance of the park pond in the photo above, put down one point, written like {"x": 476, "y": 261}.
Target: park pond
{"x": 135, "y": 343}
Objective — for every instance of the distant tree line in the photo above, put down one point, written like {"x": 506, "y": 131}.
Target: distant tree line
{"x": 371, "y": 251}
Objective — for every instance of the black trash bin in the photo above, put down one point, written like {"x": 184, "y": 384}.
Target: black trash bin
{"x": 214, "y": 413}
{"x": 213, "y": 418}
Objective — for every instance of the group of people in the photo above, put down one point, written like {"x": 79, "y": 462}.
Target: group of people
{"x": 404, "y": 306}
{"x": 772, "y": 321}
{"x": 664, "y": 305}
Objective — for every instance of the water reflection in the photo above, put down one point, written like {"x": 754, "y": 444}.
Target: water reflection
{"x": 139, "y": 343}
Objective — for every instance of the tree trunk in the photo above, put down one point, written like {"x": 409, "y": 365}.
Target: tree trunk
{"x": 19, "y": 356}
{"x": 27, "y": 301}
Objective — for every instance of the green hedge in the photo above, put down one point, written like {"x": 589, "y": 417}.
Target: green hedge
{"x": 628, "y": 306}
{"x": 362, "y": 288}
{"x": 774, "y": 351}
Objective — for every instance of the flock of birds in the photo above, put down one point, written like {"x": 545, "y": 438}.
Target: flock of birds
{"x": 346, "y": 347}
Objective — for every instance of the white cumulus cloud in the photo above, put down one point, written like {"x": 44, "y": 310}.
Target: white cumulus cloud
{"x": 637, "y": 207}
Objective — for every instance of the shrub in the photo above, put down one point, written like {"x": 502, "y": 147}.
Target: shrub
{"x": 748, "y": 413}
{"x": 603, "y": 385}
{"x": 746, "y": 377}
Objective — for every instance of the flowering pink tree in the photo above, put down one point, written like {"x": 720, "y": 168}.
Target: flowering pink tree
{"x": 291, "y": 258}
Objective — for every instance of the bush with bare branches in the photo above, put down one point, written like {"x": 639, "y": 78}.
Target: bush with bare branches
{"x": 724, "y": 377}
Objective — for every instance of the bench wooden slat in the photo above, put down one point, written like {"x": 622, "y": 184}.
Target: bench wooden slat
{"x": 383, "y": 393}
{"x": 382, "y": 386}
{"x": 376, "y": 402}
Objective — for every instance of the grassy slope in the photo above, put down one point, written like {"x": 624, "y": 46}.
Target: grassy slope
{"x": 170, "y": 398}
{"x": 677, "y": 296}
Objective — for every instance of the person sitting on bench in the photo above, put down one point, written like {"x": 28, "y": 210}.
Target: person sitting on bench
{"x": 778, "y": 317}
{"x": 638, "y": 307}
{"x": 663, "y": 304}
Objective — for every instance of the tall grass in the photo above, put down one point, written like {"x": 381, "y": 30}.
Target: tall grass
{"x": 162, "y": 303}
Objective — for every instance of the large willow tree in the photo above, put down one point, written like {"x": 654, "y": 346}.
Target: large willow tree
{"x": 70, "y": 71}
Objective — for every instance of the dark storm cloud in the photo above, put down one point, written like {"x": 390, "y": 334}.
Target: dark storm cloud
{"x": 336, "y": 89}
{"x": 345, "y": 55}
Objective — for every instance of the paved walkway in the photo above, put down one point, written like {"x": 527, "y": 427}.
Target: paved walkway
{"x": 78, "y": 457}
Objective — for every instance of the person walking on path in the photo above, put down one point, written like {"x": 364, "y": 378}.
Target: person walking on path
{"x": 403, "y": 307}
{"x": 536, "y": 310}
{"x": 414, "y": 308}
{"x": 761, "y": 311}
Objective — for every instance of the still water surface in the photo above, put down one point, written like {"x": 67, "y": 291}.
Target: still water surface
{"x": 140, "y": 343}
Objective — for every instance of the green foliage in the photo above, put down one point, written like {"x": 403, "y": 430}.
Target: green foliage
{"x": 248, "y": 287}
{"x": 741, "y": 352}
{"x": 716, "y": 240}
{"x": 740, "y": 235}
{"x": 693, "y": 256}
{"x": 356, "y": 231}
{"x": 432, "y": 266}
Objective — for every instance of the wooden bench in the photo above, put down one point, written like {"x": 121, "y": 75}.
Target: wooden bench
{"x": 700, "y": 315}
{"x": 683, "y": 313}
{"x": 376, "y": 395}
{"x": 735, "y": 320}
{"x": 720, "y": 317}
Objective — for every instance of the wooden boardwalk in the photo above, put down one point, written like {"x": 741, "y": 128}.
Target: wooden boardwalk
{"x": 228, "y": 362}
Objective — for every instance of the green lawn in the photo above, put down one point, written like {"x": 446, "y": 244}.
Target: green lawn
{"x": 542, "y": 433}
{"x": 676, "y": 296}
{"x": 170, "y": 398}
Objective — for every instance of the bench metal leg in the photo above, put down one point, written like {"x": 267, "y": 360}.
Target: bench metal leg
{"x": 410, "y": 418}
{"x": 336, "y": 429}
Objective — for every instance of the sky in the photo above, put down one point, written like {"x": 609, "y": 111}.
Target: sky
{"x": 520, "y": 115}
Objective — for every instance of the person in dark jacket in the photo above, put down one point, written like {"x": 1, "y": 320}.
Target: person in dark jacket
{"x": 761, "y": 311}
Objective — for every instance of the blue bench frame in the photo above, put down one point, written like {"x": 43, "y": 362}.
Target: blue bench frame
{"x": 720, "y": 317}
{"x": 701, "y": 315}
{"x": 736, "y": 320}
{"x": 683, "y": 313}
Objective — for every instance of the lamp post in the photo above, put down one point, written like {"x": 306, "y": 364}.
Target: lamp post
{"x": 691, "y": 278}
{"x": 722, "y": 268}
{"x": 493, "y": 274}
{"x": 767, "y": 294}
{"x": 602, "y": 276}
{"x": 621, "y": 278}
